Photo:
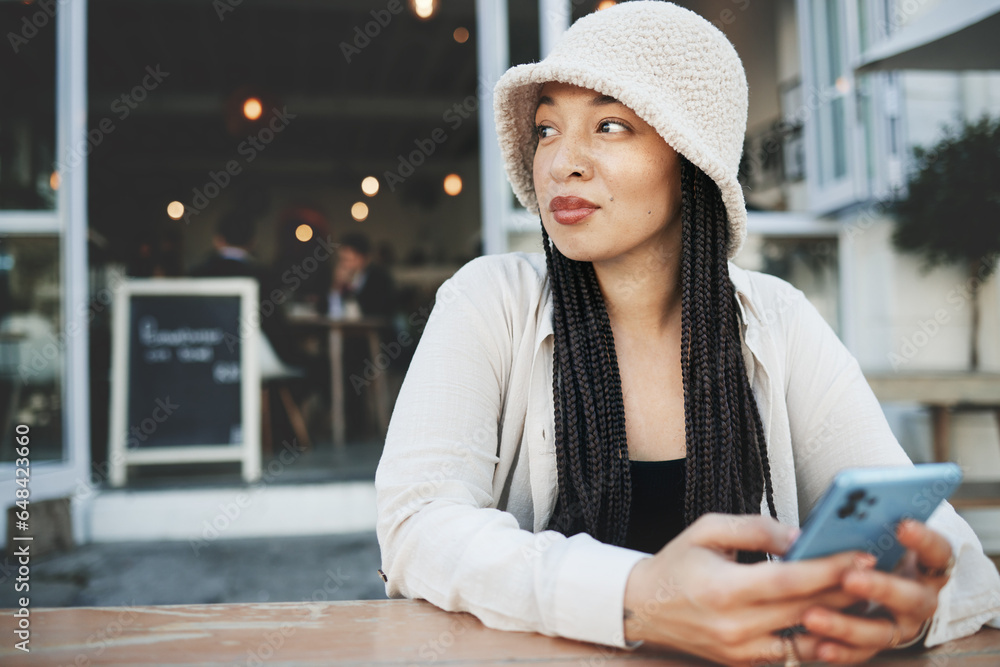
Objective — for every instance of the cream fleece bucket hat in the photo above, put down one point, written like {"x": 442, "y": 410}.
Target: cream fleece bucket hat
{"x": 670, "y": 66}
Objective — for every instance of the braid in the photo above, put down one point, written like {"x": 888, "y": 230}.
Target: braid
{"x": 727, "y": 464}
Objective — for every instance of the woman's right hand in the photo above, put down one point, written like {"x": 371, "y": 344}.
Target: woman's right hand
{"x": 694, "y": 597}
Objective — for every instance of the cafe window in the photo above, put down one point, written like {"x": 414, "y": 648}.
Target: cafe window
{"x": 27, "y": 116}
{"x": 43, "y": 278}
{"x": 31, "y": 353}
{"x": 31, "y": 367}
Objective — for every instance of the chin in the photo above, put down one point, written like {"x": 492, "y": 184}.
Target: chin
{"x": 577, "y": 252}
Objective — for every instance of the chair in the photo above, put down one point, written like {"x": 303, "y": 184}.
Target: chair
{"x": 274, "y": 372}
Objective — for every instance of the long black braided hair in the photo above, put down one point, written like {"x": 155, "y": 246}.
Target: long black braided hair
{"x": 727, "y": 465}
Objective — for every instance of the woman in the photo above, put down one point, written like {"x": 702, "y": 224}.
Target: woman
{"x": 631, "y": 393}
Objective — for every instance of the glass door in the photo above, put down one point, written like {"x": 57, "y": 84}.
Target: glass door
{"x": 44, "y": 441}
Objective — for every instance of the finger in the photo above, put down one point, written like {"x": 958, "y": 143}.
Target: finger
{"x": 932, "y": 549}
{"x": 771, "y": 649}
{"x": 853, "y": 631}
{"x": 726, "y": 532}
{"x": 774, "y": 617}
{"x": 834, "y": 652}
{"x": 903, "y": 597}
{"x": 774, "y": 581}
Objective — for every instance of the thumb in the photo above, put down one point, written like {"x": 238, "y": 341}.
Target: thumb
{"x": 746, "y": 532}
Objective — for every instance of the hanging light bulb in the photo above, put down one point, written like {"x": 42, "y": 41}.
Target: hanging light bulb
{"x": 453, "y": 184}
{"x": 424, "y": 9}
{"x": 370, "y": 186}
{"x": 303, "y": 232}
{"x": 359, "y": 211}
{"x": 252, "y": 108}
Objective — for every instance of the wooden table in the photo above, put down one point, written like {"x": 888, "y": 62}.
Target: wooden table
{"x": 942, "y": 393}
{"x": 383, "y": 632}
{"x": 369, "y": 328}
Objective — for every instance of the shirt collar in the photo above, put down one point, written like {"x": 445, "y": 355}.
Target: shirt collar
{"x": 744, "y": 293}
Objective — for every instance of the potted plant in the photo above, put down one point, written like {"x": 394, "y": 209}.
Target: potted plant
{"x": 951, "y": 211}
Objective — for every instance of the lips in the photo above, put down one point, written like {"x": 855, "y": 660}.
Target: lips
{"x": 571, "y": 210}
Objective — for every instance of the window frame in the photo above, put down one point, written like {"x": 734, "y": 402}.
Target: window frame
{"x": 67, "y": 222}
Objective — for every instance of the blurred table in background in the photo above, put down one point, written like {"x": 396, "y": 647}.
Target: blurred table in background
{"x": 376, "y": 632}
{"x": 368, "y": 328}
{"x": 943, "y": 393}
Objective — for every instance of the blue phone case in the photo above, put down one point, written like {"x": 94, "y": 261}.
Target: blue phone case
{"x": 863, "y": 506}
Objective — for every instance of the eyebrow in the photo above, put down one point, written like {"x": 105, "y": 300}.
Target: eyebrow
{"x": 598, "y": 101}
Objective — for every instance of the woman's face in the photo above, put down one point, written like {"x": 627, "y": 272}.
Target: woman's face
{"x": 608, "y": 185}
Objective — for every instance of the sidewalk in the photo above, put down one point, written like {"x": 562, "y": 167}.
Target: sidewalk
{"x": 286, "y": 569}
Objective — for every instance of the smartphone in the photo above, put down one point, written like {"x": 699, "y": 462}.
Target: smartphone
{"x": 863, "y": 506}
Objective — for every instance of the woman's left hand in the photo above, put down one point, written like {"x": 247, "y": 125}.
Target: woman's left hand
{"x": 909, "y": 595}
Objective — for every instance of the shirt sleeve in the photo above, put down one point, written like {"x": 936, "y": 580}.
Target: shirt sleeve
{"x": 442, "y": 536}
{"x": 836, "y": 422}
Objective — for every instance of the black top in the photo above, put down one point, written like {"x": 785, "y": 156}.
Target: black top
{"x": 657, "y": 512}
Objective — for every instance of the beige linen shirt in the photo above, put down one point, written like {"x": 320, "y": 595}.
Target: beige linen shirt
{"x": 467, "y": 480}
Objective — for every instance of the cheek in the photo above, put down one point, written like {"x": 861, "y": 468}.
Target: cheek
{"x": 538, "y": 172}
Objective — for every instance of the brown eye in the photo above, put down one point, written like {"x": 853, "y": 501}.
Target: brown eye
{"x": 611, "y": 126}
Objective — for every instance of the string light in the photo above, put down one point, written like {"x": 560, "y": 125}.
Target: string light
{"x": 303, "y": 232}
{"x": 359, "y": 211}
{"x": 175, "y": 210}
{"x": 424, "y": 9}
{"x": 461, "y": 35}
{"x": 370, "y": 186}
{"x": 452, "y": 184}
{"x": 252, "y": 108}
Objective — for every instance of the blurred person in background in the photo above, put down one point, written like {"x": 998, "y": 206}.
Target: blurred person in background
{"x": 360, "y": 289}
{"x": 232, "y": 258}
{"x": 358, "y": 279}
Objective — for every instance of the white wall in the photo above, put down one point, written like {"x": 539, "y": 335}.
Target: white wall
{"x": 789, "y": 62}
{"x": 911, "y": 320}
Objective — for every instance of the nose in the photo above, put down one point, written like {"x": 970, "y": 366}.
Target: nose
{"x": 571, "y": 159}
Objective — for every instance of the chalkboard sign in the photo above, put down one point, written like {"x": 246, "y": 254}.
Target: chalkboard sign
{"x": 186, "y": 384}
